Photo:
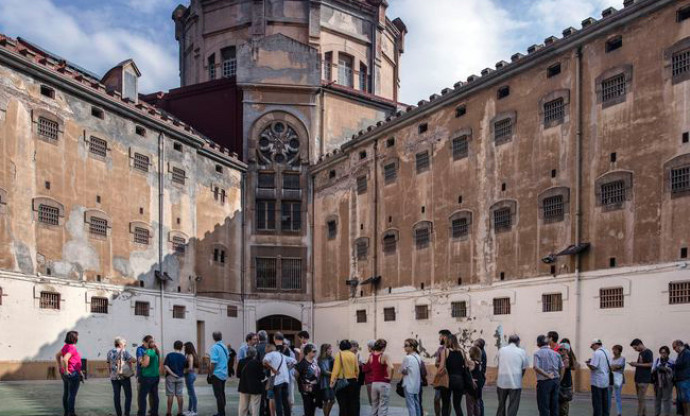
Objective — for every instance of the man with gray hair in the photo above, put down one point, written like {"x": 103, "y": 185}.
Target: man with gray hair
{"x": 548, "y": 366}
{"x": 251, "y": 373}
{"x": 512, "y": 363}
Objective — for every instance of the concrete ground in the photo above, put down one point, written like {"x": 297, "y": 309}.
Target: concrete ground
{"x": 38, "y": 398}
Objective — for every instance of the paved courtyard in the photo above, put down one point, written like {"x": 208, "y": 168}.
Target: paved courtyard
{"x": 38, "y": 398}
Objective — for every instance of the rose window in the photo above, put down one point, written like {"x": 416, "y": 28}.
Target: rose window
{"x": 278, "y": 143}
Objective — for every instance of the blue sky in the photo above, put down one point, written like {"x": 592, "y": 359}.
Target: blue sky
{"x": 447, "y": 40}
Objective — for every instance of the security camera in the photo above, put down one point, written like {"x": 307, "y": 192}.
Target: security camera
{"x": 549, "y": 259}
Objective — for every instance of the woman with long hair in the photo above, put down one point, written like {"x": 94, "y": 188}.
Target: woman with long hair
{"x": 458, "y": 367}
{"x": 308, "y": 379}
{"x": 325, "y": 362}
{"x": 472, "y": 398}
{"x": 412, "y": 377}
{"x": 120, "y": 362}
{"x": 69, "y": 362}
{"x": 191, "y": 366}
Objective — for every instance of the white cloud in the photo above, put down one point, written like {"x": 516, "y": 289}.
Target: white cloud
{"x": 556, "y": 15}
{"x": 96, "y": 47}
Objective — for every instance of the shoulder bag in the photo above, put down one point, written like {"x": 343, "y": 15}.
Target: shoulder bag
{"x": 441, "y": 379}
{"x": 340, "y": 382}
{"x": 606, "y": 357}
{"x": 209, "y": 376}
{"x": 272, "y": 379}
{"x": 124, "y": 368}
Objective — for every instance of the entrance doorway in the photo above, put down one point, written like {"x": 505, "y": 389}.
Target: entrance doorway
{"x": 288, "y": 325}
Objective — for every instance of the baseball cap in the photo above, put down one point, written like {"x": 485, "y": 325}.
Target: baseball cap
{"x": 596, "y": 341}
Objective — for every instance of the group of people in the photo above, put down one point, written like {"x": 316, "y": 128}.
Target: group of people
{"x": 554, "y": 362}
{"x": 271, "y": 371}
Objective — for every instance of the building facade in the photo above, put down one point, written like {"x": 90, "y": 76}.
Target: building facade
{"x": 551, "y": 192}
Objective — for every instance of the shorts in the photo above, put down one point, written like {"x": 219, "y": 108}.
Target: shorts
{"x": 174, "y": 386}
{"x": 683, "y": 390}
{"x": 269, "y": 394}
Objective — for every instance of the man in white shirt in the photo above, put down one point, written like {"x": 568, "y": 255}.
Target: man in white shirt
{"x": 280, "y": 365}
{"x": 512, "y": 363}
{"x": 600, "y": 365}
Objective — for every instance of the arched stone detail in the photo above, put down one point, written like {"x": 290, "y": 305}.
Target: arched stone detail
{"x": 280, "y": 139}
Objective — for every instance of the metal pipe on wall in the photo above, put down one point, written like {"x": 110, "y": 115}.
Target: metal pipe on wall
{"x": 243, "y": 192}
{"x": 161, "y": 195}
{"x": 578, "y": 205}
{"x": 375, "y": 284}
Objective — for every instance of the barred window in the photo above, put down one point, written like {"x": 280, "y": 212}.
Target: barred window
{"x": 610, "y": 298}
{"x": 554, "y": 111}
{"x": 48, "y": 129}
{"x": 503, "y": 130}
{"x": 266, "y": 215}
{"x": 361, "y": 316}
{"x": 178, "y": 176}
{"x": 50, "y": 300}
{"x": 679, "y": 292}
{"x": 390, "y": 243}
{"x": 458, "y": 309}
{"x": 98, "y": 227}
{"x": 291, "y": 216}
{"x": 291, "y": 274}
{"x": 179, "y": 311}
{"x": 332, "y": 229}
{"x": 98, "y": 147}
{"x": 680, "y": 179}
{"x": 229, "y": 57}
{"x": 612, "y": 88}
{"x": 179, "y": 244}
{"x": 267, "y": 180}
{"x": 422, "y": 161}
{"x": 459, "y": 228}
{"x": 390, "y": 172}
{"x": 266, "y": 273}
{"x": 99, "y": 304}
{"x": 552, "y": 302}
{"x": 361, "y": 249}
{"x": 141, "y": 162}
{"x": 501, "y": 306}
{"x": 460, "y": 148}
{"x": 219, "y": 256}
{"x": 232, "y": 311}
{"x": 361, "y": 184}
{"x": 142, "y": 308}
{"x": 211, "y": 63}
{"x": 613, "y": 194}
{"x": 421, "y": 312}
{"x": 48, "y": 215}
{"x": 681, "y": 62}
{"x": 422, "y": 236}
{"x": 502, "y": 219}
{"x": 553, "y": 209}
{"x": 388, "y": 314}
{"x": 291, "y": 181}
{"x": 141, "y": 235}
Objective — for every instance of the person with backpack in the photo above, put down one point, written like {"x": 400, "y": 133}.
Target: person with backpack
{"x": 662, "y": 379}
{"x": 120, "y": 362}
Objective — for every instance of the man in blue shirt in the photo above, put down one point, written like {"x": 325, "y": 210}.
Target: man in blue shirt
{"x": 219, "y": 371}
{"x": 174, "y": 377}
{"x": 682, "y": 375}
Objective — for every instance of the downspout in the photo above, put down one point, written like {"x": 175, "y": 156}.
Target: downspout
{"x": 311, "y": 252}
{"x": 578, "y": 203}
{"x": 161, "y": 195}
{"x": 322, "y": 141}
{"x": 242, "y": 252}
{"x": 375, "y": 284}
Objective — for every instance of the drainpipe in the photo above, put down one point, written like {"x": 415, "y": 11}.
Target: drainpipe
{"x": 161, "y": 195}
{"x": 322, "y": 142}
{"x": 578, "y": 203}
{"x": 375, "y": 284}
{"x": 311, "y": 251}
{"x": 243, "y": 192}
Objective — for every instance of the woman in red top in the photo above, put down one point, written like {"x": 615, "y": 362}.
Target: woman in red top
{"x": 69, "y": 362}
{"x": 379, "y": 370}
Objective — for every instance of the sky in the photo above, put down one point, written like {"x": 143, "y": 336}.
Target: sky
{"x": 448, "y": 40}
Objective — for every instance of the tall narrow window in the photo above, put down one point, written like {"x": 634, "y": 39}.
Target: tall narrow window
{"x": 362, "y": 184}
{"x": 48, "y": 129}
{"x": 266, "y": 215}
{"x": 460, "y": 228}
{"x": 422, "y": 161}
{"x": 345, "y": 70}
{"x": 460, "y": 148}
{"x": 328, "y": 66}
{"x": 681, "y": 62}
{"x": 291, "y": 216}
{"x": 363, "y": 78}
{"x": 290, "y": 274}
{"x": 390, "y": 173}
{"x": 332, "y": 229}
{"x": 422, "y": 235}
{"x": 554, "y": 111}
{"x": 390, "y": 243}
{"x": 229, "y": 56}
{"x": 361, "y": 249}
{"x": 211, "y": 63}
{"x": 266, "y": 273}
{"x": 502, "y": 220}
{"x": 503, "y": 130}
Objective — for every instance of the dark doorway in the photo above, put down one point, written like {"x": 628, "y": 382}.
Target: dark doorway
{"x": 288, "y": 325}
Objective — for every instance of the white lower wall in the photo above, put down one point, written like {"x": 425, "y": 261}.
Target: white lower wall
{"x": 646, "y": 314}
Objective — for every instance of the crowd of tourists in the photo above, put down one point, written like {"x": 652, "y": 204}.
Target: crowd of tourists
{"x": 272, "y": 371}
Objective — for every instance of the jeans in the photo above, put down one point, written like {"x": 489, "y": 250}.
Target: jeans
{"x": 641, "y": 389}
{"x": 149, "y": 386}
{"x": 446, "y": 395}
{"x": 547, "y": 397}
{"x": 281, "y": 395}
{"x": 126, "y": 385}
{"x": 414, "y": 407}
{"x": 662, "y": 400}
{"x": 189, "y": 380}
{"x": 249, "y": 404}
{"x": 380, "y": 397}
{"x": 618, "y": 396}
{"x": 348, "y": 398}
{"x": 511, "y": 395}
{"x": 70, "y": 384}
{"x": 219, "y": 393}
{"x": 600, "y": 401}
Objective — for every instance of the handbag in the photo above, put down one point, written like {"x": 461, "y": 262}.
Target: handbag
{"x": 124, "y": 369}
{"x": 272, "y": 379}
{"x": 441, "y": 379}
{"x": 399, "y": 389}
{"x": 340, "y": 383}
{"x": 422, "y": 373}
{"x": 611, "y": 382}
{"x": 467, "y": 380}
